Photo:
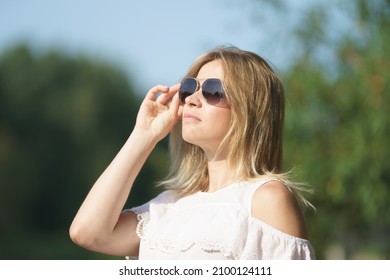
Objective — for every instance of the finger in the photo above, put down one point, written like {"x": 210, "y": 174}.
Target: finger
{"x": 154, "y": 91}
{"x": 175, "y": 108}
{"x": 179, "y": 109}
{"x": 174, "y": 89}
{"x": 165, "y": 98}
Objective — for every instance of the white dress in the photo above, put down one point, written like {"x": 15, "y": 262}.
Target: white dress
{"x": 214, "y": 225}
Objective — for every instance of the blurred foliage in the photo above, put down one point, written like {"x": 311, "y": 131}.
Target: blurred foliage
{"x": 62, "y": 120}
{"x": 338, "y": 128}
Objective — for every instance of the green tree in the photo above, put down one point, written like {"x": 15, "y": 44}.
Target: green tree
{"x": 62, "y": 120}
{"x": 338, "y": 124}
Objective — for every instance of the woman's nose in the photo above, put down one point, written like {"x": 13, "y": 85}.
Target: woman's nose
{"x": 194, "y": 99}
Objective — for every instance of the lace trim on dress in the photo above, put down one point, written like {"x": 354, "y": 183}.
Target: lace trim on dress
{"x": 260, "y": 242}
{"x": 143, "y": 220}
{"x": 166, "y": 244}
{"x": 225, "y": 230}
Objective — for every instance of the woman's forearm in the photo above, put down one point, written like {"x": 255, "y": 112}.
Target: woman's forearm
{"x": 100, "y": 211}
{"x": 99, "y": 224}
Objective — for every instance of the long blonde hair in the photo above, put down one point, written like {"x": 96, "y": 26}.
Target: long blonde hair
{"x": 256, "y": 97}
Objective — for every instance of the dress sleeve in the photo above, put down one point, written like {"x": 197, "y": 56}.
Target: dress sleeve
{"x": 142, "y": 211}
{"x": 267, "y": 243}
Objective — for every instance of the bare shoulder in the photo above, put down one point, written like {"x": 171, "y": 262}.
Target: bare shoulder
{"x": 274, "y": 204}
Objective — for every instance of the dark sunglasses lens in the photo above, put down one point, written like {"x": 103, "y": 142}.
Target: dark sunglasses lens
{"x": 212, "y": 90}
{"x": 188, "y": 86}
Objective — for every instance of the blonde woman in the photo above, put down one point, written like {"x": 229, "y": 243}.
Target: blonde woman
{"x": 225, "y": 197}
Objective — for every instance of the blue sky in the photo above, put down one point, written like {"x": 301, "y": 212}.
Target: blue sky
{"x": 153, "y": 41}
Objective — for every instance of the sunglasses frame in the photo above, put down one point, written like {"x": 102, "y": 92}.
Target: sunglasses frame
{"x": 204, "y": 93}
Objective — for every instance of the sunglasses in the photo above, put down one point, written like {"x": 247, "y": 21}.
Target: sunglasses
{"x": 212, "y": 89}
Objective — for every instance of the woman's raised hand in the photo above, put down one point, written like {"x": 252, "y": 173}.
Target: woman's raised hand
{"x": 115, "y": 231}
{"x": 159, "y": 111}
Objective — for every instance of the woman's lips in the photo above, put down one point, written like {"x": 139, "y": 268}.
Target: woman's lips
{"x": 190, "y": 117}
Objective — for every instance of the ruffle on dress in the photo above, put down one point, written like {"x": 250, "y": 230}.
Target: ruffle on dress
{"x": 170, "y": 229}
{"x": 223, "y": 228}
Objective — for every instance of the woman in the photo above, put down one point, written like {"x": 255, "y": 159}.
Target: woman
{"x": 226, "y": 197}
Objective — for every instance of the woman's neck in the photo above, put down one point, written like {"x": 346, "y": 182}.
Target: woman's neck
{"x": 220, "y": 175}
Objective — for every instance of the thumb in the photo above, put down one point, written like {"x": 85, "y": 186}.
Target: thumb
{"x": 174, "y": 108}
